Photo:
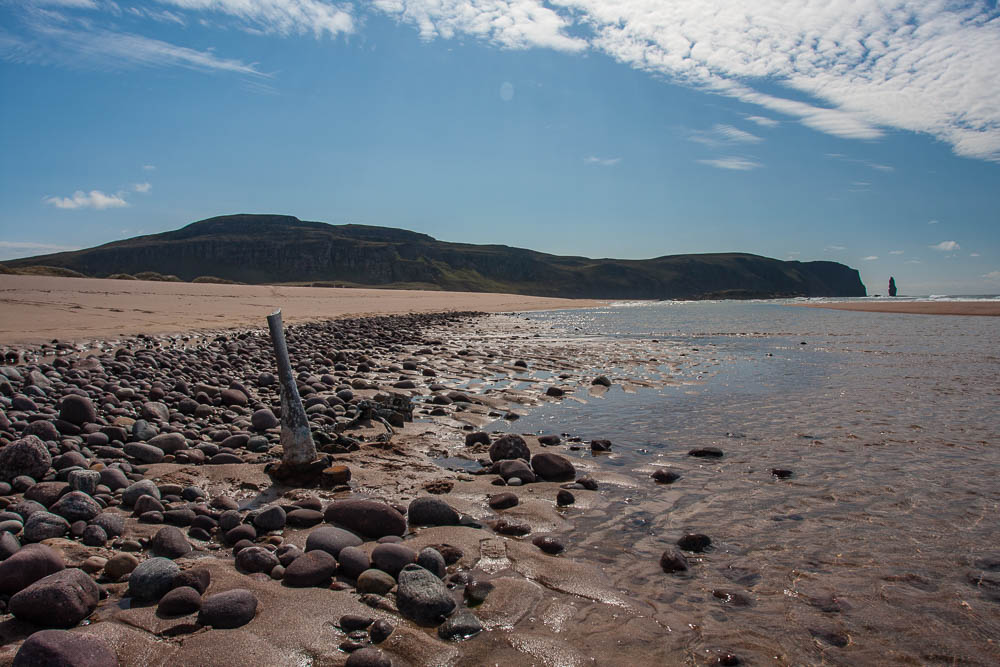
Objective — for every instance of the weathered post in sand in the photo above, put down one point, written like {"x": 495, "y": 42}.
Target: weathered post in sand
{"x": 296, "y": 440}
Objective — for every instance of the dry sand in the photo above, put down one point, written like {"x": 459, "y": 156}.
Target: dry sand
{"x": 990, "y": 308}
{"x": 42, "y": 308}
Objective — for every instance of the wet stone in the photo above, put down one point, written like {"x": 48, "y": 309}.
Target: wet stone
{"x": 664, "y": 476}
{"x": 380, "y": 631}
{"x": 548, "y": 544}
{"x": 564, "y": 498}
{"x": 179, "y": 602}
{"x": 152, "y": 578}
{"x": 431, "y": 511}
{"x": 368, "y": 657}
{"x": 353, "y": 622}
{"x": 231, "y": 609}
{"x": 376, "y": 581}
{"x": 672, "y": 560}
{"x": 432, "y": 561}
{"x": 460, "y": 625}
{"x": 502, "y": 501}
{"x": 706, "y": 452}
{"x": 61, "y": 648}
{"x": 695, "y": 542}
{"x": 422, "y": 597}
{"x": 314, "y": 568}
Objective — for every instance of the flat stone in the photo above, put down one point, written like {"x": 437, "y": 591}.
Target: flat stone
{"x": 367, "y": 518}
{"x": 61, "y": 648}
{"x": 231, "y": 609}
{"x": 460, "y": 625}
{"x": 431, "y": 511}
{"x": 331, "y": 540}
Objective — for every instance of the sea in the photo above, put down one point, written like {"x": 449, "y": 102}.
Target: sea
{"x": 883, "y": 544}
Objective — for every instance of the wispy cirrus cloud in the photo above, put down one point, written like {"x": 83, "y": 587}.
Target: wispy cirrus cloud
{"x": 763, "y": 121}
{"x": 602, "y": 161}
{"x": 849, "y": 68}
{"x": 733, "y": 163}
{"x": 143, "y": 188}
{"x": 723, "y": 135}
{"x": 870, "y": 258}
{"x": 896, "y": 252}
{"x": 92, "y": 199}
{"x": 282, "y": 17}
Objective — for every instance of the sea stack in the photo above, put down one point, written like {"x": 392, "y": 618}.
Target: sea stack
{"x": 892, "y": 286}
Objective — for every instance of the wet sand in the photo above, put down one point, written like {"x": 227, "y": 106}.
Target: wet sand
{"x": 42, "y": 308}
{"x": 983, "y": 308}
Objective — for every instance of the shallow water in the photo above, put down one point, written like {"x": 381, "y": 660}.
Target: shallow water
{"x": 868, "y": 553}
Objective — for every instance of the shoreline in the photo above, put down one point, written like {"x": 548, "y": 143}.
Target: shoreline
{"x": 42, "y": 308}
{"x": 967, "y": 308}
{"x": 429, "y": 358}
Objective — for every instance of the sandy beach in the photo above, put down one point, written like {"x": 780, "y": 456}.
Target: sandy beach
{"x": 982, "y": 308}
{"x": 41, "y": 308}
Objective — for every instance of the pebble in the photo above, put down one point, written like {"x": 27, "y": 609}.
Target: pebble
{"x": 257, "y": 559}
{"x": 431, "y": 511}
{"x": 368, "y": 657}
{"x": 376, "y": 581}
{"x": 119, "y": 565}
{"x": 26, "y": 566}
{"x": 564, "y": 498}
{"x": 460, "y": 625}
{"x": 706, "y": 452}
{"x": 502, "y": 501}
{"x": 352, "y": 622}
{"x": 673, "y": 560}
{"x": 510, "y": 446}
{"x": 231, "y": 609}
{"x": 25, "y": 457}
{"x": 422, "y": 597}
{"x": 271, "y": 518}
{"x": 695, "y": 542}
{"x": 664, "y": 476}
{"x": 198, "y": 579}
{"x": 314, "y": 568}
{"x": 180, "y": 601}
{"x": 552, "y": 467}
{"x": 76, "y": 506}
{"x": 380, "y": 631}
{"x": 368, "y": 518}
{"x": 432, "y": 561}
{"x": 548, "y": 544}
{"x": 353, "y": 561}
{"x": 44, "y": 525}
{"x": 331, "y": 540}
{"x": 152, "y": 578}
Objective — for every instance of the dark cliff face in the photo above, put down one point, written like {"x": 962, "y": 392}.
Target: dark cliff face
{"x": 276, "y": 249}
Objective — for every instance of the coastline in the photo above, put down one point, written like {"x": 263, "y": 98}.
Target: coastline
{"x": 42, "y": 308}
{"x": 971, "y": 308}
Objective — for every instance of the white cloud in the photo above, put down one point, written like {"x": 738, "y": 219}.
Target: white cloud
{"x": 602, "y": 161}
{"x": 896, "y": 252}
{"x": 870, "y": 258}
{"x": 149, "y": 167}
{"x": 282, "y": 17}
{"x": 144, "y": 188}
{"x": 46, "y": 40}
{"x": 932, "y": 222}
{"x": 946, "y": 246}
{"x": 763, "y": 121}
{"x": 835, "y": 248}
{"x": 920, "y": 65}
{"x": 512, "y": 24}
{"x": 992, "y": 275}
{"x": 732, "y": 162}
{"x": 93, "y": 199}
{"x": 722, "y": 135}
{"x": 974, "y": 254}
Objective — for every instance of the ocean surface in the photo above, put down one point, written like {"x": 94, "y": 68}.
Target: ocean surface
{"x": 884, "y": 544}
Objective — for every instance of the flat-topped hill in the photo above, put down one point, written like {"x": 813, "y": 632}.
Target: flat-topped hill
{"x": 267, "y": 249}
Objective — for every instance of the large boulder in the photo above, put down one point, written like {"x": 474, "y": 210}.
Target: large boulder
{"x": 29, "y": 564}
{"x": 61, "y": 648}
{"x": 60, "y": 600}
{"x": 28, "y": 456}
{"x": 369, "y": 518}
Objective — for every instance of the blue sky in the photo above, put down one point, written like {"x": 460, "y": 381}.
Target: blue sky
{"x": 842, "y": 130}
